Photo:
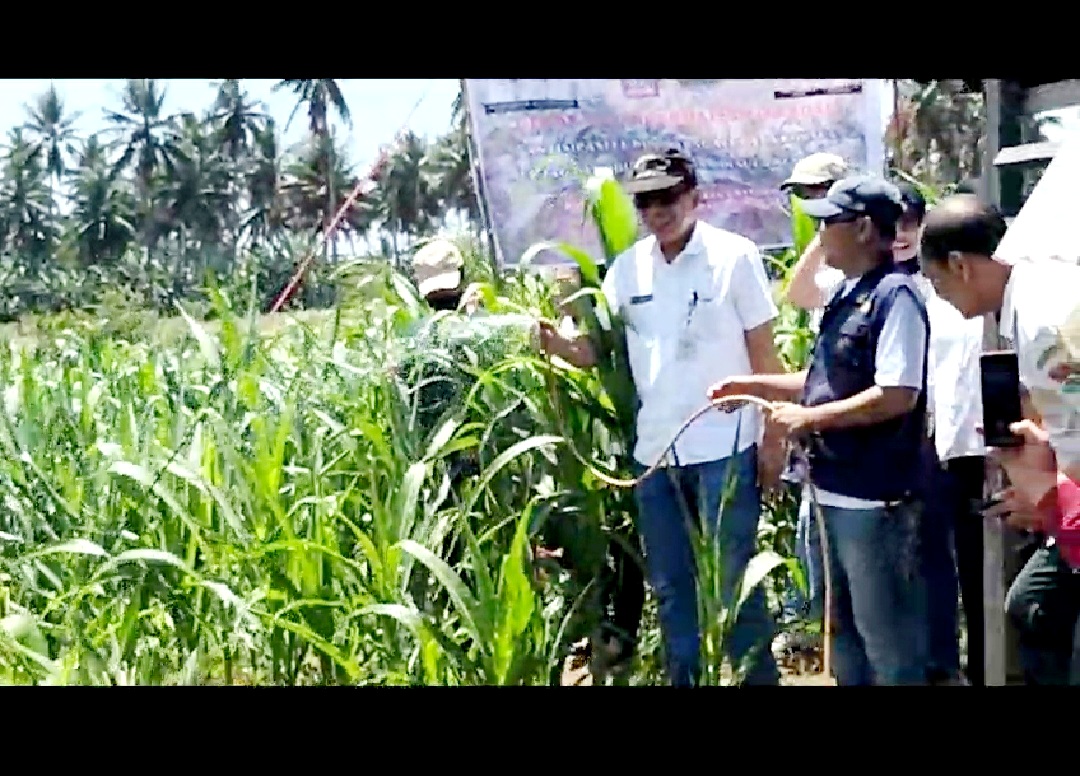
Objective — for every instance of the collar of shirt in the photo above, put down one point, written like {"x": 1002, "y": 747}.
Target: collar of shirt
{"x": 694, "y": 247}
{"x": 1007, "y": 315}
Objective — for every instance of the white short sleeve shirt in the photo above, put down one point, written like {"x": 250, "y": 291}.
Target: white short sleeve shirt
{"x": 1040, "y": 315}
{"x": 954, "y": 393}
{"x": 828, "y": 281}
{"x": 685, "y": 328}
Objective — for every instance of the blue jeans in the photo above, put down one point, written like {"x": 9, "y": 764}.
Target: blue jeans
{"x": 877, "y": 617}
{"x": 669, "y": 558}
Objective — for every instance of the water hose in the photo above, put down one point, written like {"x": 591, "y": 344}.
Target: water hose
{"x": 719, "y": 404}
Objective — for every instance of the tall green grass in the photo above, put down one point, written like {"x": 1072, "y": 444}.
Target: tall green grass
{"x": 227, "y": 504}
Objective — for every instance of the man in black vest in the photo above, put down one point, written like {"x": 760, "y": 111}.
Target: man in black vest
{"x": 862, "y": 415}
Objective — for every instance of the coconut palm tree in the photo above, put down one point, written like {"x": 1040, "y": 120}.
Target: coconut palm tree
{"x": 319, "y": 95}
{"x": 52, "y": 130}
{"x": 25, "y": 209}
{"x": 104, "y": 209}
{"x": 235, "y": 118}
{"x": 147, "y": 138}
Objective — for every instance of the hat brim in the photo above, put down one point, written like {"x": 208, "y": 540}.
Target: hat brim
{"x": 812, "y": 180}
{"x": 652, "y": 183}
{"x": 444, "y": 281}
{"x": 821, "y": 208}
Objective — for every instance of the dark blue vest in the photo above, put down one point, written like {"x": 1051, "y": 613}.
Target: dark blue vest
{"x": 879, "y": 462}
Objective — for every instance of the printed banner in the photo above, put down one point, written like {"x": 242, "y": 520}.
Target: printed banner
{"x": 537, "y": 139}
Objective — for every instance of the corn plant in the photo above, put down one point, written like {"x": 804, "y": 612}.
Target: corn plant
{"x": 281, "y": 500}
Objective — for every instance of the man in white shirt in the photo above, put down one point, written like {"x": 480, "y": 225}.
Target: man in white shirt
{"x": 1038, "y": 308}
{"x": 953, "y": 542}
{"x": 697, "y": 308}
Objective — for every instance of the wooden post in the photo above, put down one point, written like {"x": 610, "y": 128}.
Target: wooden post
{"x": 1004, "y": 104}
{"x": 476, "y": 172}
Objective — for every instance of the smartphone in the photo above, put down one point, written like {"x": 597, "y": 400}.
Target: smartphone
{"x": 1000, "y": 377}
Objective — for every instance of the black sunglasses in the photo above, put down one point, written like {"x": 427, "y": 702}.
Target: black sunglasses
{"x": 842, "y": 218}
{"x": 808, "y": 191}
{"x": 663, "y": 198}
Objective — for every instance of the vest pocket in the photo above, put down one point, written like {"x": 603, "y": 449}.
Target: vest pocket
{"x": 853, "y": 343}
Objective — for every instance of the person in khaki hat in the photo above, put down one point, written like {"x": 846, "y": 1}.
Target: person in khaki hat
{"x": 439, "y": 270}
{"x": 814, "y": 174}
{"x": 810, "y": 180}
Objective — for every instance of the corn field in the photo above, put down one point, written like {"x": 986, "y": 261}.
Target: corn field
{"x": 352, "y": 498}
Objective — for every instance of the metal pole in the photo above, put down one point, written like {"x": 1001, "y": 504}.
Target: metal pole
{"x": 476, "y": 171}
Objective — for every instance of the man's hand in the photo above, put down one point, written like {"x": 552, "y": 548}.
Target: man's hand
{"x": 551, "y": 342}
{"x": 1032, "y": 467}
{"x": 578, "y": 352}
{"x": 772, "y": 455}
{"x": 472, "y": 300}
{"x": 1017, "y": 512}
{"x": 732, "y": 386}
{"x": 794, "y": 419}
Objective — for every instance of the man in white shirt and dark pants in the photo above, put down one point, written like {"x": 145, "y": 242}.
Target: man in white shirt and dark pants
{"x": 1038, "y": 308}
{"x": 697, "y": 307}
{"x": 952, "y": 523}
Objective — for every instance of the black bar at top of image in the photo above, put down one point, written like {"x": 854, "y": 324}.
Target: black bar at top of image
{"x": 820, "y": 91}
{"x": 522, "y": 105}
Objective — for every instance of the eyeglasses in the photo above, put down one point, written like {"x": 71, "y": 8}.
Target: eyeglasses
{"x": 843, "y": 218}
{"x": 803, "y": 191}
{"x": 663, "y": 198}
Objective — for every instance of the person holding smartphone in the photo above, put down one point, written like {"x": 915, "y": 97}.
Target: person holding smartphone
{"x": 1037, "y": 306}
{"x": 1046, "y": 500}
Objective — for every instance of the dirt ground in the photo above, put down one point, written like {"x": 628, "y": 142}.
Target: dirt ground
{"x": 804, "y": 670}
{"x": 799, "y": 670}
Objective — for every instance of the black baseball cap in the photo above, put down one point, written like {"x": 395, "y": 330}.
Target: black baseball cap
{"x": 862, "y": 195}
{"x": 913, "y": 200}
{"x": 656, "y": 172}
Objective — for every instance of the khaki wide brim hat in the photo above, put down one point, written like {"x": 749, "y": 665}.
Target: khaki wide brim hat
{"x": 438, "y": 267}
{"x": 816, "y": 169}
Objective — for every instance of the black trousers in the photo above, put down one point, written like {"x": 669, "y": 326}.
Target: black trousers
{"x": 622, "y": 591}
{"x": 960, "y": 489}
{"x": 1044, "y": 603}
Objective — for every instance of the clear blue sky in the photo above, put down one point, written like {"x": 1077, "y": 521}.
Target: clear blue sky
{"x": 379, "y": 107}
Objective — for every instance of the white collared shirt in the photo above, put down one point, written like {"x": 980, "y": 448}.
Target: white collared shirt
{"x": 954, "y": 394}
{"x": 1040, "y": 315}
{"x": 685, "y": 330}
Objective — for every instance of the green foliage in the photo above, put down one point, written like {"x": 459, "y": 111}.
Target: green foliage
{"x": 160, "y": 207}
